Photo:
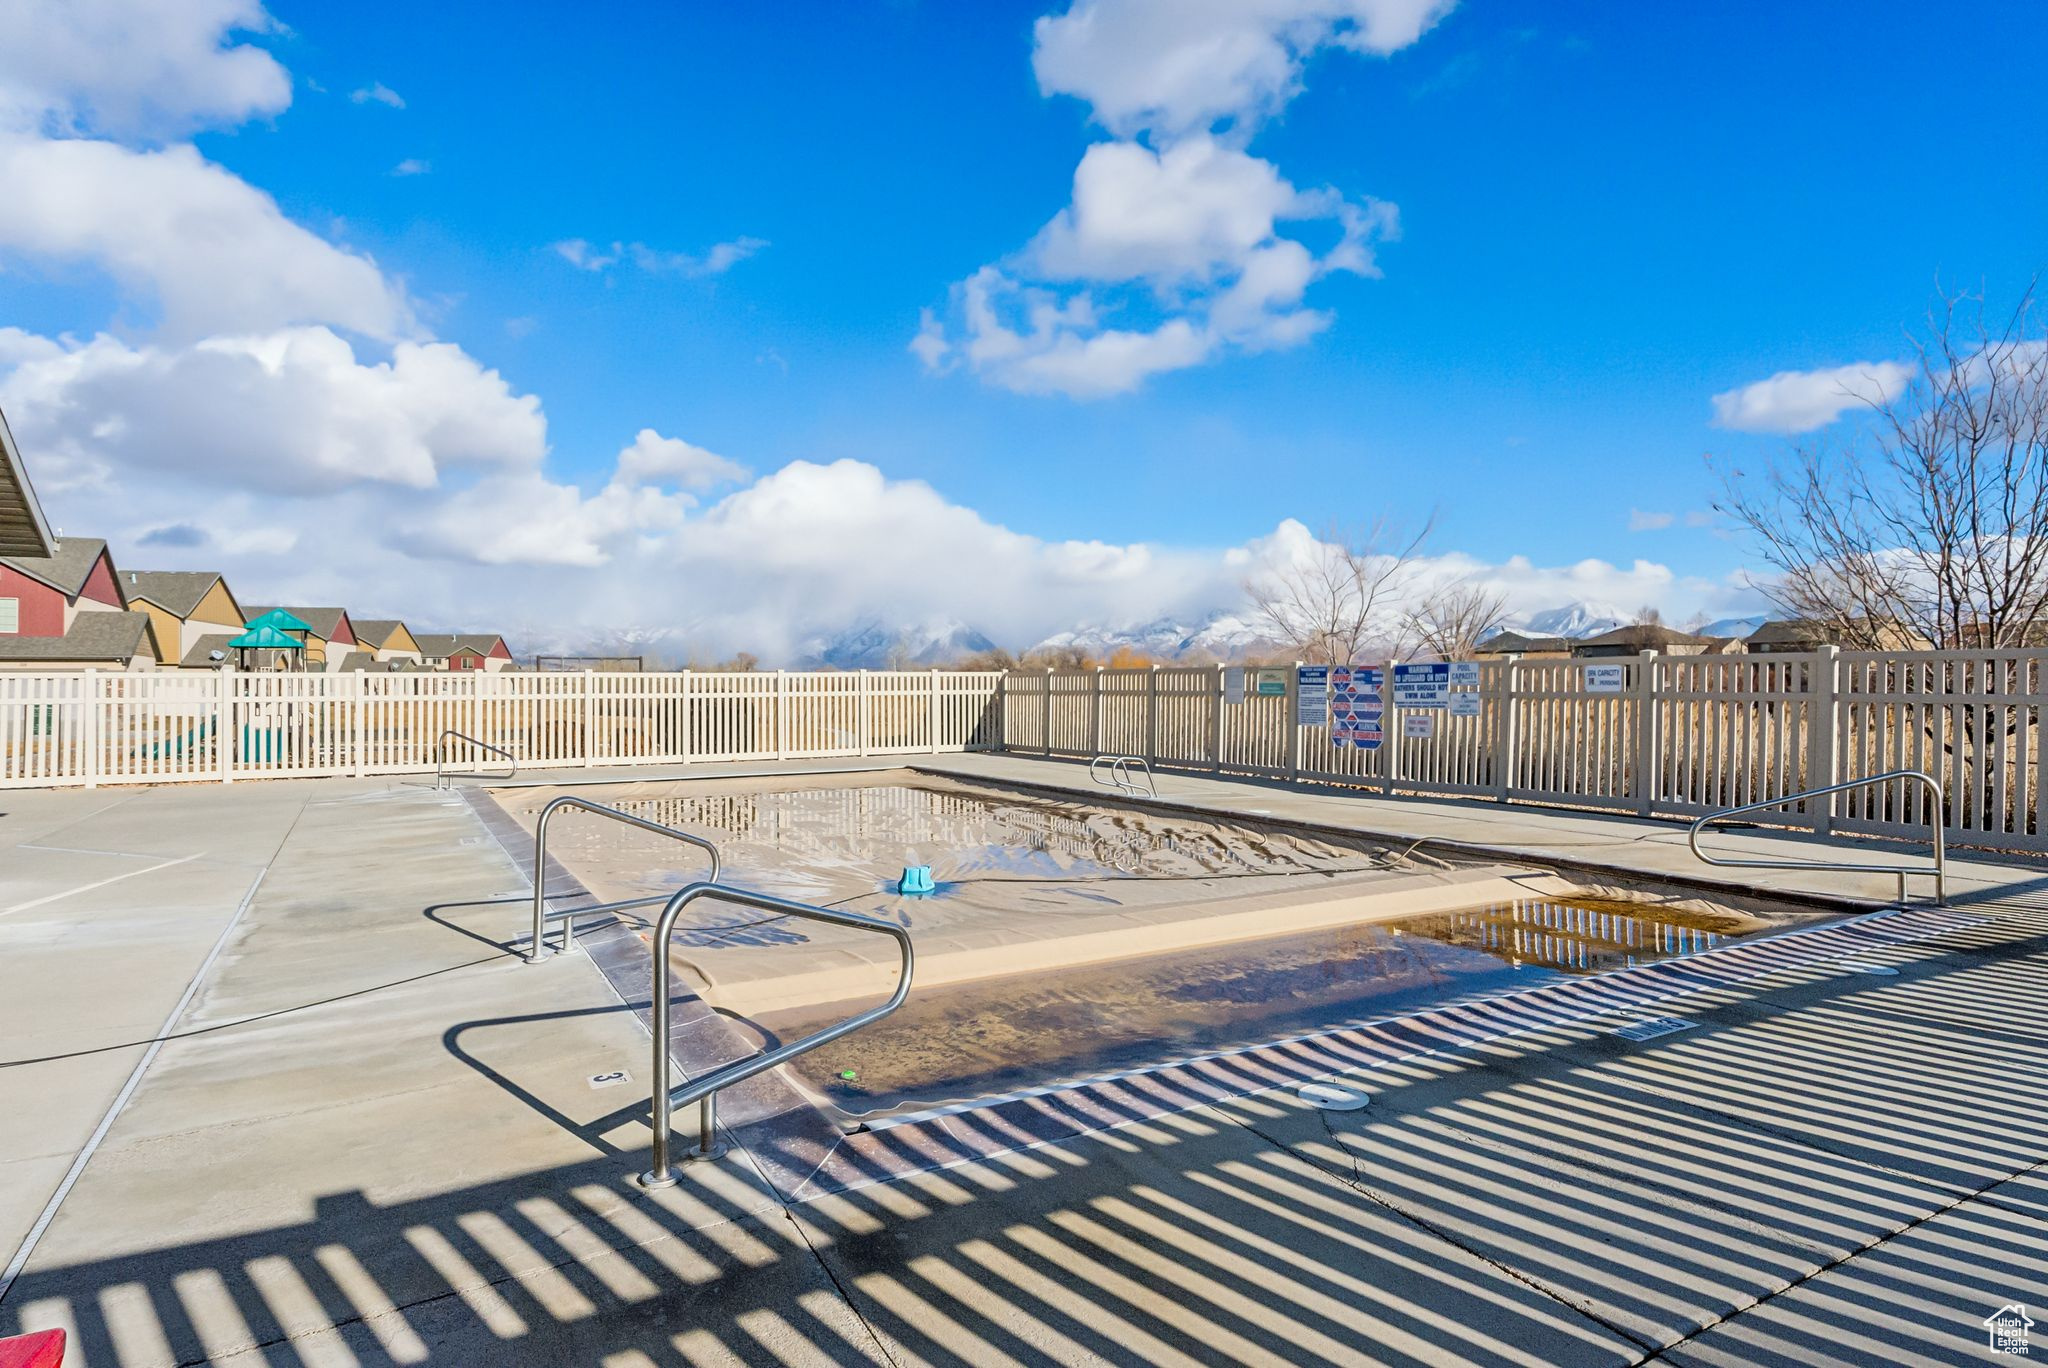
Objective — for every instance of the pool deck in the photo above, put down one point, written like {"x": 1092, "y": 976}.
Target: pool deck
{"x": 273, "y": 1090}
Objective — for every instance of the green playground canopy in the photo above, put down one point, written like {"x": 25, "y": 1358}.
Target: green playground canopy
{"x": 266, "y": 637}
{"x": 279, "y": 619}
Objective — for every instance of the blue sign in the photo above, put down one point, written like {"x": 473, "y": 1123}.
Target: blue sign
{"x": 1422, "y": 686}
{"x": 1355, "y": 707}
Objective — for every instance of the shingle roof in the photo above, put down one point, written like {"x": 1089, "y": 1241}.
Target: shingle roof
{"x": 374, "y": 632}
{"x": 442, "y": 644}
{"x": 200, "y": 657}
{"x": 1645, "y": 636}
{"x": 23, "y": 530}
{"x": 94, "y": 637}
{"x": 1504, "y": 643}
{"x": 1783, "y": 631}
{"x": 324, "y": 621}
{"x": 176, "y": 591}
{"x": 66, "y": 569}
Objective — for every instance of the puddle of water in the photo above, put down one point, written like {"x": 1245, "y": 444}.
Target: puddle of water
{"x": 958, "y": 1042}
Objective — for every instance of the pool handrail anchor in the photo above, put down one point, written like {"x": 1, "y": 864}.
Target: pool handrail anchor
{"x": 1119, "y": 778}
{"x": 1937, "y": 821}
{"x": 537, "y": 951}
{"x": 704, "y": 1091}
{"x": 442, "y": 773}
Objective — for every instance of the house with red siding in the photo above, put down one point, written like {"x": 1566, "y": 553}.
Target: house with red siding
{"x": 464, "y": 651}
{"x": 65, "y": 610}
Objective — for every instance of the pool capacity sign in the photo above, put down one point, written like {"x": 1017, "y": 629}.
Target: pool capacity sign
{"x": 1355, "y": 707}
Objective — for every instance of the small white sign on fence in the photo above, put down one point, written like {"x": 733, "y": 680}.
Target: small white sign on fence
{"x": 1233, "y": 685}
{"x": 1464, "y": 674}
{"x": 1465, "y": 705}
{"x": 1419, "y": 726}
{"x": 1606, "y": 678}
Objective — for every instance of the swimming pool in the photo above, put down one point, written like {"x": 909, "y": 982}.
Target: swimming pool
{"x": 1069, "y": 938}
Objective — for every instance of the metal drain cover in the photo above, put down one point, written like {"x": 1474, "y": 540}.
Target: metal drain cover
{"x": 1330, "y": 1097}
{"x": 1649, "y": 1028}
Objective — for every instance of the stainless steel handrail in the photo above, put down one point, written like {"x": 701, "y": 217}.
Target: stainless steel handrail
{"x": 704, "y": 1091}
{"x": 442, "y": 772}
{"x": 538, "y": 951}
{"x": 1940, "y": 851}
{"x": 1119, "y": 777}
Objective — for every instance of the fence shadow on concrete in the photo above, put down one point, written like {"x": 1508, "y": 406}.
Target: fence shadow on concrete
{"x": 1537, "y": 1201}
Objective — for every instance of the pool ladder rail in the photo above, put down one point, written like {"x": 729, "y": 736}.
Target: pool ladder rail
{"x": 1119, "y": 777}
{"x": 442, "y": 774}
{"x": 537, "y": 950}
{"x": 703, "y": 1091}
{"x": 1936, "y": 821}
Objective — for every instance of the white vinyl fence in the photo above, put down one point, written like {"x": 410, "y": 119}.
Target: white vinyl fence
{"x": 85, "y": 727}
{"x": 1684, "y": 735}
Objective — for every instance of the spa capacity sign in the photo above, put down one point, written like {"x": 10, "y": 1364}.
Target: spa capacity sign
{"x": 1355, "y": 708}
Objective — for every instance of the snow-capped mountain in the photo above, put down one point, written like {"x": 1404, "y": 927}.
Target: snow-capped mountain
{"x": 874, "y": 645}
{"x": 1734, "y": 627}
{"x": 1218, "y": 635}
{"x": 1573, "y": 620}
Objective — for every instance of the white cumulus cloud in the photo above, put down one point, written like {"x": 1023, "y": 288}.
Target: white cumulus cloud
{"x": 127, "y": 68}
{"x": 1175, "y": 66}
{"x": 1171, "y": 251}
{"x": 1800, "y": 401}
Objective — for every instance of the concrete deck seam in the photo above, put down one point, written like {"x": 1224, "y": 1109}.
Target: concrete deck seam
{"x": 845, "y": 1297}
{"x": 1857, "y": 1253}
{"x": 134, "y": 1081}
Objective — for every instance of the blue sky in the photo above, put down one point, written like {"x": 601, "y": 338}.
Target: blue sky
{"x": 1607, "y": 216}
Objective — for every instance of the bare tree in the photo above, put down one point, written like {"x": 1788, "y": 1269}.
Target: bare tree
{"x": 1649, "y": 615}
{"x": 1931, "y": 521}
{"x": 1343, "y": 597}
{"x": 1451, "y": 619}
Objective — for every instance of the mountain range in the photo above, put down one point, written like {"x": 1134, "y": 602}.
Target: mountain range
{"x": 872, "y": 644}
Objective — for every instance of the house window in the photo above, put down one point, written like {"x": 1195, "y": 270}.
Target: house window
{"x": 10, "y": 617}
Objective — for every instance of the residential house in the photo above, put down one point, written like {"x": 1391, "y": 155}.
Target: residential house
{"x": 1782, "y": 636}
{"x": 327, "y": 628}
{"x": 23, "y": 530}
{"x": 1646, "y": 636}
{"x": 460, "y": 651}
{"x": 386, "y": 639}
{"x": 185, "y": 606}
{"x": 1509, "y": 643}
{"x": 65, "y": 610}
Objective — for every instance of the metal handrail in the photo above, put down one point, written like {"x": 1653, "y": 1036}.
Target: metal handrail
{"x": 1940, "y": 851}
{"x": 442, "y": 772}
{"x": 704, "y": 1091}
{"x": 1119, "y": 777}
{"x": 538, "y": 951}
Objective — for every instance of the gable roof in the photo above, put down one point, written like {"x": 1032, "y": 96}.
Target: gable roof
{"x": 23, "y": 530}
{"x": 375, "y": 632}
{"x": 1503, "y": 643}
{"x": 67, "y": 567}
{"x": 178, "y": 592}
{"x": 1643, "y": 636}
{"x": 443, "y": 644}
{"x": 322, "y": 622}
{"x": 93, "y": 637}
{"x": 1783, "y": 631}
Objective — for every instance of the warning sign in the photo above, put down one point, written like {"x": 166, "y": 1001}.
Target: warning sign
{"x": 1422, "y": 686}
{"x": 1355, "y": 707}
{"x": 1312, "y": 696}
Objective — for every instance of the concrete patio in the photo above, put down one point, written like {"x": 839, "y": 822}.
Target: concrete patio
{"x": 275, "y": 1091}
